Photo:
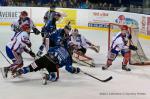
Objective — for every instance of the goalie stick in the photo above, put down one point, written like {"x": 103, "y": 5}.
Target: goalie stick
{"x": 105, "y": 80}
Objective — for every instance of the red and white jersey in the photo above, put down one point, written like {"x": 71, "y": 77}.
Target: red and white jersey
{"x": 80, "y": 41}
{"x": 119, "y": 42}
{"x": 16, "y": 25}
{"x": 20, "y": 42}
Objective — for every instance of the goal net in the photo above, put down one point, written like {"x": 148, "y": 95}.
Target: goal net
{"x": 137, "y": 57}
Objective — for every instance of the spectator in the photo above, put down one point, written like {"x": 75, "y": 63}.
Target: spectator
{"x": 85, "y": 4}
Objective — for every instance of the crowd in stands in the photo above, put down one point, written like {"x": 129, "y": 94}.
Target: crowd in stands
{"x": 83, "y": 4}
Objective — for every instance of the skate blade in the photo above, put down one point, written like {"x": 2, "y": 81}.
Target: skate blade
{"x": 44, "y": 80}
{"x": 3, "y": 73}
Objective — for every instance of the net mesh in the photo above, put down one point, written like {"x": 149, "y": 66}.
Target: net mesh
{"x": 137, "y": 57}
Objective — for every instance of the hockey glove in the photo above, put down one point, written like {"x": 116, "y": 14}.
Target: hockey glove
{"x": 130, "y": 37}
{"x": 76, "y": 70}
{"x": 32, "y": 54}
{"x": 132, "y": 47}
{"x": 29, "y": 45}
{"x": 36, "y": 31}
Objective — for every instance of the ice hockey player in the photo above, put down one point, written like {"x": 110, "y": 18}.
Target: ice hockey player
{"x": 23, "y": 19}
{"x": 16, "y": 47}
{"x": 79, "y": 43}
{"x": 48, "y": 28}
{"x": 121, "y": 44}
{"x": 49, "y": 14}
{"x": 60, "y": 37}
{"x": 56, "y": 57}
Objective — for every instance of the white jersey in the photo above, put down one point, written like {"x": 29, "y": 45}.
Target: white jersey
{"x": 80, "y": 41}
{"x": 119, "y": 42}
{"x": 20, "y": 42}
{"x": 16, "y": 25}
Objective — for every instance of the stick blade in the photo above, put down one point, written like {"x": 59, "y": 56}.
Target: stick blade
{"x": 108, "y": 79}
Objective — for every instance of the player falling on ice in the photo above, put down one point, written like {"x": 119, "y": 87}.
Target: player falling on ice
{"x": 121, "y": 44}
{"x": 16, "y": 47}
{"x": 57, "y": 57}
{"x": 48, "y": 28}
{"x": 23, "y": 19}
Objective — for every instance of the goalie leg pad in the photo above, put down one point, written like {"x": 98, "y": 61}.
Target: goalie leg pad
{"x": 82, "y": 51}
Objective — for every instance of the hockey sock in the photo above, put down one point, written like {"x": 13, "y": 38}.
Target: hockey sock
{"x": 27, "y": 69}
{"x": 41, "y": 47}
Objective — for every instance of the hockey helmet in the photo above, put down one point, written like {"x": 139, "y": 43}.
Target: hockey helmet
{"x": 124, "y": 27}
{"x": 24, "y": 13}
{"x": 75, "y": 30}
{"x": 25, "y": 27}
{"x": 52, "y": 7}
{"x": 57, "y": 14}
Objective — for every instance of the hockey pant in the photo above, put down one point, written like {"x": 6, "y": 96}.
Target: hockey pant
{"x": 17, "y": 61}
{"x": 114, "y": 53}
{"x": 45, "y": 62}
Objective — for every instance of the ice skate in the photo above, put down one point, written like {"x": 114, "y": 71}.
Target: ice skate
{"x": 5, "y": 72}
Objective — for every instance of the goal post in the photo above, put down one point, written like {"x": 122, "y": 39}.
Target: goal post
{"x": 137, "y": 57}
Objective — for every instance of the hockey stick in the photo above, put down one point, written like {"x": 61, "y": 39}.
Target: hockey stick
{"x": 105, "y": 80}
{"x": 5, "y": 57}
{"x": 91, "y": 65}
{"x": 69, "y": 23}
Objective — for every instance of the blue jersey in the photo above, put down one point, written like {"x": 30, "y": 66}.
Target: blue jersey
{"x": 62, "y": 57}
{"x": 50, "y": 26}
{"x": 59, "y": 38}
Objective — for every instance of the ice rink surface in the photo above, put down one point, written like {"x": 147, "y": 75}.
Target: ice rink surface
{"x": 124, "y": 85}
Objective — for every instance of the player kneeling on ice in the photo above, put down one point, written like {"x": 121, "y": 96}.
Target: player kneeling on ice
{"x": 16, "y": 47}
{"x": 79, "y": 43}
{"x": 56, "y": 57}
{"x": 121, "y": 44}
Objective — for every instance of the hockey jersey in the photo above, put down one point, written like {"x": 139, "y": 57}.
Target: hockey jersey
{"x": 50, "y": 26}
{"x": 119, "y": 42}
{"x": 80, "y": 41}
{"x": 59, "y": 38}
{"x": 48, "y": 15}
{"x": 16, "y": 25}
{"x": 20, "y": 41}
{"x": 61, "y": 56}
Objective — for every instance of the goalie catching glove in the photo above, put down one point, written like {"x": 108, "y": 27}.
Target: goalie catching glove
{"x": 132, "y": 47}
